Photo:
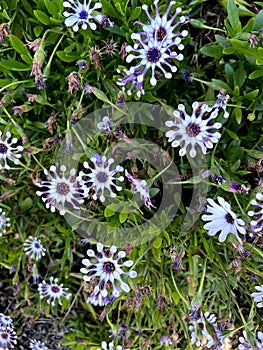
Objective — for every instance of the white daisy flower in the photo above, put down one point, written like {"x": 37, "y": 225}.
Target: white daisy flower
{"x": 100, "y": 177}
{"x": 193, "y": 130}
{"x": 34, "y": 248}
{"x": 81, "y": 14}
{"x": 245, "y": 344}
{"x": 152, "y": 55}
{"x": 140, "y": 186}
{"x": 131, "y": 78}
{"x": 222, "y": 219}
{"x": 37, "y": 345}
{"x": 97, "y": 299}
{"x": 163, "y": 28}
{"x": 53, "y": 291}
{"x": 221, "y": 102}
{"x": 61, "y": 189}
{"x": 258, "y": 296}
{"x": 7, "y": 151}
{"x": 257, "y": 224}
{"x": 7, "y": 338}
{"x": 4, "y": 222}
{"x": 107, "y": 269}
{"x": 105, "y": 125}
{"x": 5, "y": 321}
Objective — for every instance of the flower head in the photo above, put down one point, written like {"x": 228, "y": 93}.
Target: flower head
{"x": 245, "y": 344}
{"x": 53, "y": 291}
{"x": 217, "y": 179}
{"x": 257, "y": 223}
{"x": 4, "y": 222}
{"x": 7, "y": 151}
{"x": 34, "y": 247}
{"x": 5, "y": 321}
{"x": 165, "y": 340}
{"x": 7, "y": 338}
{"x": 140, "y": 186}
{"x": 81, "y": 14}
{"x": 105, "y": 125}
{"x": 222, "y": 99}
{"x": 152, "y": 55}
{"x": 60, "y": 189}
{"x": 107, "y": 269}
{"x": 193, "y": 130}
{"x": 37, "y": 345}
{"x": 97, "y": 299}
{"x": 132, "y": 78}
{"x": 100, "y": 177}
{"x": 222, "y": 219}
{"x": 258, "y": 296}
{"x": 237, "y": 188}
{"x": 162, "y": 28}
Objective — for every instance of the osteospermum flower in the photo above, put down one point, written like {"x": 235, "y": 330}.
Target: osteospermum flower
{"x": 257, "y": 223}
{"x": 132, "y": 78}
{"x": 81, "y": 15}
{"x": 110, "y": 346}
{"x": 7, "y": 338}
{"x": 53, "y": 291}
{"x": 37, "y": 345}
{"x": 105, "y": 125}
{"x": 222, "y": 219}
{"x": 5, "y": 321}
{"x": 7, "y": 151}
{"x": 245, "y": 344}
{"x": 192, "y": 131}
{"x": 60, "y": 189}
{"x": 4, "y": 222}
{"x": 222, "y": 99}
{"x": 108, "y": 269}
{"x": 140, "y": 186}
{"x": 100, "y": 177}
{"x": 97, "y": 299}
{"x": 258, "y": 296}
{"x": 152, "y": 55}
{"x": 33, "y": 247}
{"x": 161, "y": 28}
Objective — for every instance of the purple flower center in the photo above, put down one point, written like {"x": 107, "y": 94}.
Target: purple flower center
{"x": 4, "y": 335}
{"x": 160, "y": 34}
{"x": 37, "y": 245}
{"x": 83, "y": 14}
{"x": 55, "y": 289}
{"x": 3, "y": 148}
{"x": 229, "y": 219}
{"x": 108, "y": 267}
{"x": 153, "y": 55}
{"x": 62, "y": 188}
{"x": 193, "y": 129}
{"x": 102, "y": 177}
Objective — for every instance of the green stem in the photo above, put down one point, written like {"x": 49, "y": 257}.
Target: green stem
{"x": 14, "y": 83}
{"x": 177, "y": 290}
{"x": 47, "y": 68}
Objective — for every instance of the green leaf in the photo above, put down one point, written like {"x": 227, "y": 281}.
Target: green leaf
{"x": 68, "y": 56}
{"x": 135, "y": 13}
{"x": 258, "y": 21}
{"x": 243, "y": 47}
{"x": 251, "y": 95}
{"x": 110, "y": 10}
{"x": 27, "y": 6}
{"x": 51, "y": 7}
{"x": 156, "y": 253}
{"x": 233, "y": 16}
{"x": 232, "y": 134}
{"x": 238, "y": 114}
{"x": 249, "y": 26}
{"x": 38, "y": 30}
{"x": 108, "y": 212}
{"x": 101, "y": 96}
{"x": 19, "y": 46}
{"x": 256, "y": 74}
{"x": 212, "y": 51}
{"x": 240, "y": 75}
{"x": 42, "y": 17}
{"x": 123, "y": 217}
{"x": 26, "y": 204}
{"x": 228, "y": 50}
{"x": 157, "y": 243}
{"x": 14, "y": 65}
